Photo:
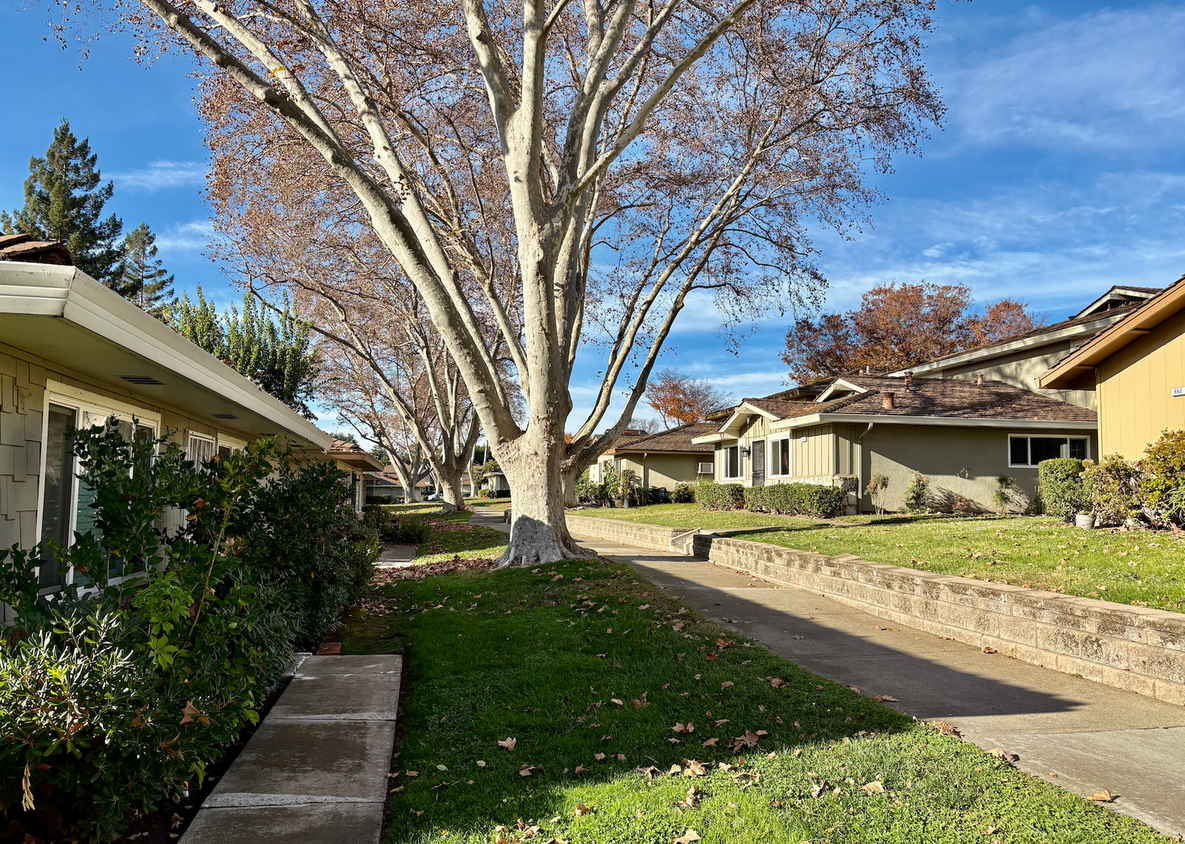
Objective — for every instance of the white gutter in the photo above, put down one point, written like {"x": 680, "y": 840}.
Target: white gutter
{"x": 1004, "y": 348}
{"x": 72, "y": 295}
{"x": 937, "y": 421}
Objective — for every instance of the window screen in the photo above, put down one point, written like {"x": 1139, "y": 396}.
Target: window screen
{"x": 57, "y": 505}
{"x": 201, "y": 450}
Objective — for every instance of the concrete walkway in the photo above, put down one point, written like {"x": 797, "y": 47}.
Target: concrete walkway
{"x": 1078, "y": 734}
{"x": 315, "y": 772}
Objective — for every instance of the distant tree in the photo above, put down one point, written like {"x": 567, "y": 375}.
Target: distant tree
{"x": 344, "y": 436}
{"x": 898, "y": 326}
{"x": 64, "y": 202}
{"x": 646, "y": 423}
{"x": 275, "y": 352}
{"x": 144, "y": 279}
{"x": 680, "y": 399}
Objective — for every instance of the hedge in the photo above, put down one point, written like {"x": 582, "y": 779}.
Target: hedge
{"x": 1062, "y": 491}
{"x": 824, "y": 502}
{"x": 714, "y": 496}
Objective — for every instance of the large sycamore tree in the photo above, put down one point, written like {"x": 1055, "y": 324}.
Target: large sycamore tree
{"x": 638, "y": 153}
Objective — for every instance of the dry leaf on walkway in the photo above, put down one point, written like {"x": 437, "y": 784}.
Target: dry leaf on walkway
{"x": 885, "y": 699}
{"x": 1102, "y": 797}
{"x": 688, "y": 837}
{"x": 946, "y": 729}
{"x": 988, "y": 650}
{"x": 874, "y": 787}
{"x": 508, "y": 743}
{"x": 1001, "y": 753}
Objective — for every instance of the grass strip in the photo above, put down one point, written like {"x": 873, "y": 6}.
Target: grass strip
{"x": 554, "y": 703}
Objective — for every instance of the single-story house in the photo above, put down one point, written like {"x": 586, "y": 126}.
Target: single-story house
{"x": 1022, "y": 360}
{"x": 664, "y": 459}
{"x": 961, "y": 434}
{"x": 73, "y": 353}
{"x": 385, "y": 483}
{"x": 352, "y": 458}
{"x": 1137, "y": 369}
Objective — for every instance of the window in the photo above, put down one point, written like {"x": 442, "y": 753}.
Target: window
{"x": 67, "y": 501}
{"x": 733, "y": 462}
{"x": 200, "y": 450}
{"x": 1030, "y": 451}
{"x": 779, "y": 457}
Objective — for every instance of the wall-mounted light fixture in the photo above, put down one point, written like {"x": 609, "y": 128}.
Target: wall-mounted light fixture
{"x": 745, "y": 450}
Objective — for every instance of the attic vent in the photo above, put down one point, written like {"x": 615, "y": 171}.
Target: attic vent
{"x": 142, "y": 380}
{"x": 224, "y": 416}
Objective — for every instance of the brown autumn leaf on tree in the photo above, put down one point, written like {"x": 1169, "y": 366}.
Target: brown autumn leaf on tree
{"x": 897, "y": 326}
{"x": 680, "y": 399}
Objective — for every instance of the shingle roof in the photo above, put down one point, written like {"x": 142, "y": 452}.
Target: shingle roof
{"x": 952, "y": 398}
{"x": 676, "y": 439}
{"x": 22, "y": 247}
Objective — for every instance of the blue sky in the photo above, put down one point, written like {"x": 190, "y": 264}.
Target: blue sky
{"x": 1059, "y": 170}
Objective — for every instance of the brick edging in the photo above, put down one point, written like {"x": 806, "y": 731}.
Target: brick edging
{"x": 1132, "y": 648}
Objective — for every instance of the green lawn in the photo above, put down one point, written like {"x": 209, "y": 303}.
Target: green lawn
{"x": 465, "y": 541}
{"x": 492, "y": 503}
{"x": 688, "y": 516}
{"x": 600, "y": 684}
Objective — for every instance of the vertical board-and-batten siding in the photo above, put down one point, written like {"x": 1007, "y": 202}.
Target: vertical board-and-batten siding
{"x": 1135, "y": 391}
{"x": 816, "y": 457}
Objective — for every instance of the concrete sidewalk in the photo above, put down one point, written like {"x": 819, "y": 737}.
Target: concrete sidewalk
{"x": 1075, "y": 733}
{"x": 315, "y": 772}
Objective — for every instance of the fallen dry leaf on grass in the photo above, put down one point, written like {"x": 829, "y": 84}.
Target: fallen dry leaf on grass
{"x": 688, "y": 837}
{"x": 727, "y": 684}
{"x": 689, "y": 727}
{"x": 693, "y": 768}
{"x": 946, "y": 729}
{"x": 600, "y": 757}
{"x": 820, "y": 788}
{"x": 508, "y": 743}
{"x": 581, "y": 809}
{"x": 650, "y": 772}
{"x": 691, "y": 801}
{"x": 524, "y": 771}
{"x": 1001, "y": 753}
{"x": 749, "y": 739}
{"x": 874, "y": 787}
{"x": 580, "y": 769}
{"x": 710, "y": 742}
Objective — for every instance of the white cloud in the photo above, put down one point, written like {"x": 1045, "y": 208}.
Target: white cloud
{"x": 161, "y": 175}
{"x": 1104, "y": 80}
{"x": 186, "y": 237}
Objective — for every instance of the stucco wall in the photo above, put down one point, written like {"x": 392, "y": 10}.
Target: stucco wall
{"x": 1022, "y": 369}
{"x": 945, "y": 454}
{"x": 1135, "y": 391}
{"x": 665, "y": 470}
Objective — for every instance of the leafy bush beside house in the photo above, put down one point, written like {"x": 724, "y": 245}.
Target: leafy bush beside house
{"x": 683, "y": 494}
{"x": 1161, "y": 485}
{"x": 116, "y": 694}
{"x": 713, "y": 496}
{"x": 822, "y": 502}
{"x": 1060, "y": 485}
{"x": 1110, "y": 488}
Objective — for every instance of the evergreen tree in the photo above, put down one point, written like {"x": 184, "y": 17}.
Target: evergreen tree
{"x": 144, "y": 279}
{"x": 276, "y": 353}
{"x": 64, "y": 201}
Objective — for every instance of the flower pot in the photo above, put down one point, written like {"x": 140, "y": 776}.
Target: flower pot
{"x": 1084, "y": 521}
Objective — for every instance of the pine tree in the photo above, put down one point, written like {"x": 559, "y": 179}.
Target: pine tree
{"x": 64, "y": 202}
{"x": 276, "y": 353}
{"x": 144, "y": 279}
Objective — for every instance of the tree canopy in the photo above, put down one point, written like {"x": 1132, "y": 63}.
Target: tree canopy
{"x": 64, "y": 199}
{"x": 897, "y": 326}
{"x": 275, "y": 351}
{"x": 680, "y": 399}
{"x": 144, "y": 280}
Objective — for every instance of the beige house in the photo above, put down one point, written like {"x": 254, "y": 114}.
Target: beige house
{"x": 961, "y": 434}
{"x": 73, "y": 354}
{"x": 352, "y": 458}
{"x": 1021, "y": 361}
{"x": 1137, "y": 370}
{"x": 665, "y": 459}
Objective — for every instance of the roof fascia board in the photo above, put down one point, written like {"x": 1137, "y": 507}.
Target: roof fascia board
{"x": 1006, "y": 348}
{"x": 1117, "y": 292}
{"x": 69, "y": 293}
{"x": 839, "y": 382}
{"x": 711, "y": 438}
{"x": 937, "y": 421}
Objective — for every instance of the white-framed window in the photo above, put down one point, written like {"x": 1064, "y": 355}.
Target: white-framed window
{"x": 779, "y": 457}
{"x": 66, "y": 501}
{"x": 227, "y": 445}
{"x": 1028, "y": 450}
{"x": 199, "y": 449}
{"x": 734, "y": 462}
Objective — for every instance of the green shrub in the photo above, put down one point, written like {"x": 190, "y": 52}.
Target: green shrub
{"x": 1003, "y": 494}
{"x": 683, "y": 494}
{"x": 823, "y": 502}
{"x": 406, "y": 530}
{"x": 1061, "y": 488}
{"x": 658, "y": 495}
{"x": 713, "y": 496}
{"x": 1110, "y": 488}
{"x": 118, "y": 692}
{"x": 1161, "y": 488}
{"x": 917, "y": 494}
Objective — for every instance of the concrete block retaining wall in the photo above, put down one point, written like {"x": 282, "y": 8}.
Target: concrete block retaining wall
{"x": 1133, "y": 648}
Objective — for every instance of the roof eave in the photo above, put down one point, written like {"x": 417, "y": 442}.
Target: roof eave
{"x": 939, "y": 421}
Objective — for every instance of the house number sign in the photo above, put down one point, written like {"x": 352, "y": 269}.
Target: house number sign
{"x": 1178, "y": 392}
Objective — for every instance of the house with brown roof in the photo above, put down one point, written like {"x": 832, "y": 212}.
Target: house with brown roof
{"x": 1022, "y": 360}
{"x": 1136, "y": 368}
{"x": 960, "y": 434}
{"x": 351, "y": 458}
{"x": 665, "y": 459}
